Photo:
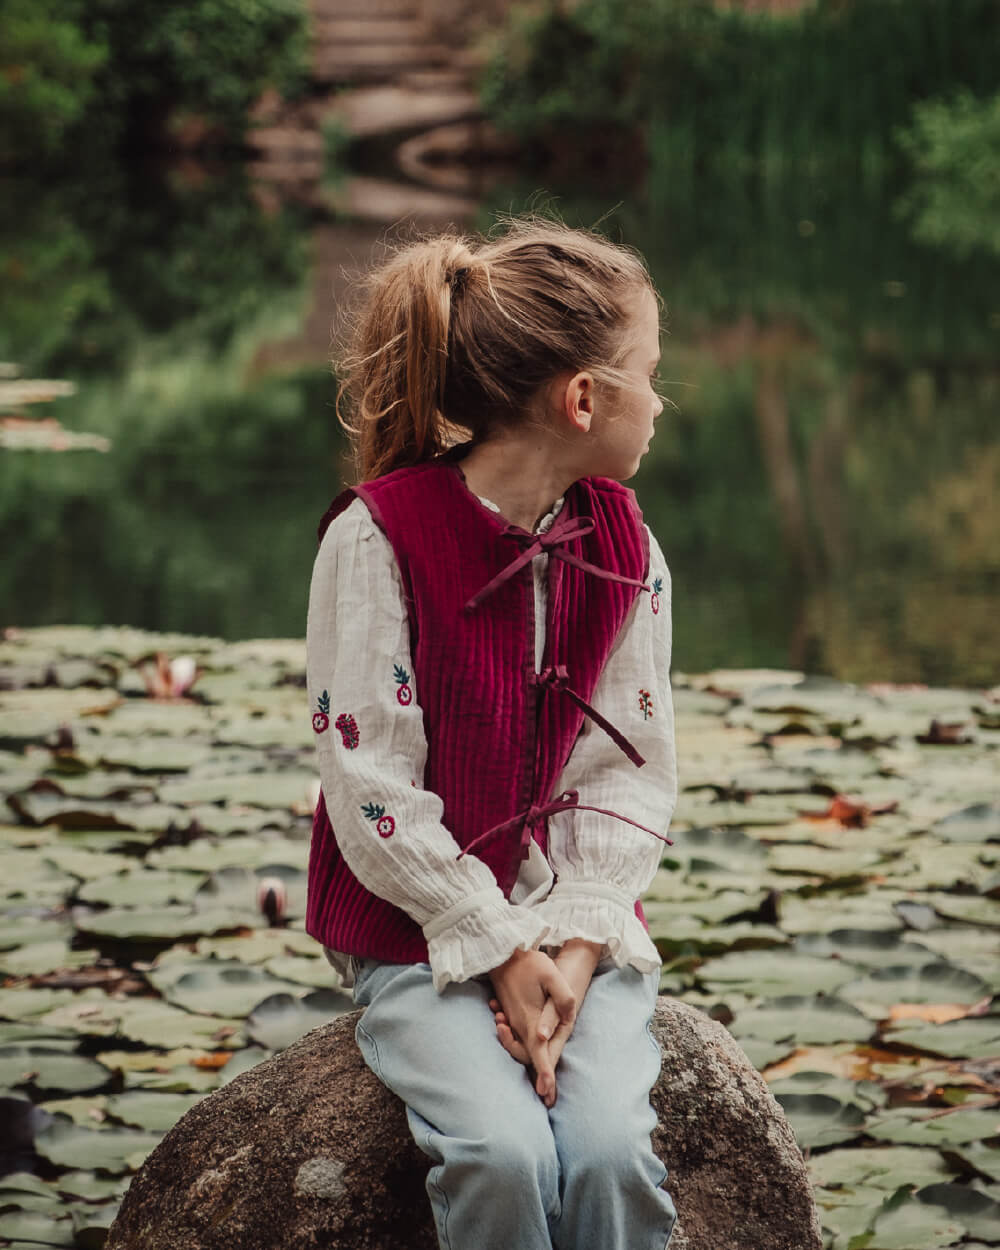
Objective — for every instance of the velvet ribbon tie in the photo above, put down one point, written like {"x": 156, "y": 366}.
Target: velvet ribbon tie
{"x": 563, "y": 530}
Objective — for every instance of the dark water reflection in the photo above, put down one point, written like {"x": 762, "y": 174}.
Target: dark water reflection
{"x": 825, "y": 490}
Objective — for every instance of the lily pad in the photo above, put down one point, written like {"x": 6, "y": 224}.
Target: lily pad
{"x": 236, "y": 887}
{"x": 916, "y": 1127}
{"x": 904, "y": 1223}
{"x": 107, "y": 1149}
{"x": 819, "y": 1120}
{"x": 971, "y": 1038}
{"x": 219, "y": 988}
{"x": 41, "y": 957}
{"x": 978, "y": 823}
{"x": 36, "y": 1228}
{"x": 978, "y": 1214}
{"x": 142, "y": 887}
{"x": 279, "y": 1021}
{"x": 884, "y": 1167}
{"x": 867, "y": 1094}
{"x": 903, "y": 983}
{"x": 263, "y": 789}
{"x": 156, "y": 924}
{"x": 808, "y": 1019}
{"x": 774, "y": 973}
{"x": 865, "y": 946}
{"x": 157, "y": 1112}
{"x": 46, "y": 1068}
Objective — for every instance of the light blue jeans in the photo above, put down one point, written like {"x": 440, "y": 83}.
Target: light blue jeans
{"x": 507, "y": 1173}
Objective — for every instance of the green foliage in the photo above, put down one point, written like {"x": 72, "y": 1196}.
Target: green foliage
{"x": 48, "y": 72}
{"x": 954, "y": 146}
{"x": 727, "y": 86}
{"x": 86, "y": 74}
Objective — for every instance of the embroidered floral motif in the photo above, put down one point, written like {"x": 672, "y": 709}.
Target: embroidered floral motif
{"x": 404, "y": 692}
{"x": 321, "y": 719}
{"x": 654, "y": 598}
{"x": 384, "y": 825}
{"x": 645, "y": 704}
{"x": 348, "y": 727}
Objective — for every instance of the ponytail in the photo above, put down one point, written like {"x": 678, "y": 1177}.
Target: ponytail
{"x": 455, "y": 337}
{"x": 396, "y": 373}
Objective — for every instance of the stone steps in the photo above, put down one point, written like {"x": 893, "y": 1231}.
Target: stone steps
{"x": 366, "y": 62}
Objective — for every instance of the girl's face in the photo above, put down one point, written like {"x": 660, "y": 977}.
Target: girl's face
{"x": 623, "y": 419}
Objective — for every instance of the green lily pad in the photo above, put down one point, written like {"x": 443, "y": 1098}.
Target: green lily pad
{"x": 263, "y": 789}
{"x": 914, "y": 1126}
{"x": 865, "y": 946}
{"x": 46, "y": 1068}
{"x": 867, "y": 1094}
{"x": 885, "y": 1167}
{"x": 218, "y": 988}
{"x": 978, "y": 823}
{"x": 819, "y": 1120}
{"x": 37, "y": 1229}
{"x": 28, "y": 876}
{"x": 821, "y": 861}
{"x": 158, "y": 754}
{"x": 237, "y": 887}
{"x": 157, "y": 1112}
{"x": 774, "y": 973}
{"x": 91, "y": 1224}
{"x": 157, "y": 1023}
{"x": 978, "y": 1213}
{"x": 981, "y": 1157}
{"x": 142, "y": 887}
{"x": 259, "y": 946}
{"x": 903, "y": 983}
{"x": 972, "y": 1038}
{"x": 301, "y": 970}
{"x": 904, "y": 1223}
{"x": 90, "y": 1187}
{"x": 725, "y": 849}
{"x": 762, "y": 1054}
{"x": 967, "y": 907}
{"x": 872, "y": 909}
{"x": 85, "y": 1109}
{"x": 21, "y": 1004}
{"x": 157, "y": 924}
{"x": 42, "y": 957}
{"x": 280, "y": 1020}
{"x": 808, "y": 1019}
{"x": 107, "y": 1149}
{"x": 242, "y": 1062}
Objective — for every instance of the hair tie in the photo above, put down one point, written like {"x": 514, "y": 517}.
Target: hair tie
{"x": 458, "y": 279}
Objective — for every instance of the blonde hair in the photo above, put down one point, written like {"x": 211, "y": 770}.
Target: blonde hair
{"x": 456, "y": 334}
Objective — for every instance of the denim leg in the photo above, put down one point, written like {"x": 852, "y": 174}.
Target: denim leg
{"x": 602, "y": 1121}
{"x": 471, "y": 1107}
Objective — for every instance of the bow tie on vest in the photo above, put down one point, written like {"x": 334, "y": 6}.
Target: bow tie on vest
{"x": 563, "y": 530}
{"x": 556, "y": 677}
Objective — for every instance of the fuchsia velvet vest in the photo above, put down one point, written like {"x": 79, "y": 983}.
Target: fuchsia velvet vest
{"x": 498, "y": 737}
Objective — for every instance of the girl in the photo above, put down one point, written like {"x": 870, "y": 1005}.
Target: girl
{"x": 488, "y": 668}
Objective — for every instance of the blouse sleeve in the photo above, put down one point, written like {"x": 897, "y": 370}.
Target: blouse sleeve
{"x": 371, "y": 751}
{"x": 602, "y": 865}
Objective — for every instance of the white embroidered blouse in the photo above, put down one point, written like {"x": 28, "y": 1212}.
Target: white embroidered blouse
{"x": 358, "y": 661}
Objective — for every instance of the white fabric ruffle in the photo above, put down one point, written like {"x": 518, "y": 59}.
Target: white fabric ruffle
{"x": 576, "y": 912}
{"x": 482, "y": 940}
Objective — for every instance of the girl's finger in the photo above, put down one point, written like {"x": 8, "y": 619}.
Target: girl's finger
{"x": 511, "y": 1045}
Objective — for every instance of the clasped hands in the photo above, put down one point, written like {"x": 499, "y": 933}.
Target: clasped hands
{"x": 536, "y": 1005}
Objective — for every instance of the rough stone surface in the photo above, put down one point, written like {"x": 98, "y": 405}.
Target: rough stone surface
{"x": 308, "y": 1150}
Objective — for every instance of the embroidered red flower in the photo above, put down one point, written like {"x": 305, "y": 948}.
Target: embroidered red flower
{"x": 385, "y": 825}
{"x": 404, "y": 692}
{"x": 321, "y": 719}
{"x": 348, "y": 727}
{"x": 654, "y": 598}
{"x": 645, "y": 704}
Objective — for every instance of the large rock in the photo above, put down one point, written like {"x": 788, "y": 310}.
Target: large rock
{"x": 309, "y": 1151}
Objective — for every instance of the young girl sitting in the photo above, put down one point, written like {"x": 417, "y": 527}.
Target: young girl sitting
{"x": 488, "y": 669}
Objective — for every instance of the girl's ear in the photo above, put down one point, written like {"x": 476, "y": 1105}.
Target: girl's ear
{"x": 578, "y": 401}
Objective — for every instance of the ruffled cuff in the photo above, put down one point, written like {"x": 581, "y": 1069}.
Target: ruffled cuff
{"x": 479, "y": 934}
{"x": 599, "y": 913}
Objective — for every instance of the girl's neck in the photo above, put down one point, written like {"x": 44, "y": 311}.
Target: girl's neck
{"x": 521, "y": 472}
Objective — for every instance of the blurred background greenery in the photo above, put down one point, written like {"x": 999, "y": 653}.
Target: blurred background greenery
{"x": 818, "y": 195}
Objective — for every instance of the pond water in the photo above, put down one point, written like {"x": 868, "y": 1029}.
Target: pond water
{"x": 825, "y": 489}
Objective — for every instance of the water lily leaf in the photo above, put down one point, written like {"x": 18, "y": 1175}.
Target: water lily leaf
{"x": 728, "y": 850}
{"x": 301, "y": 970}
{"x": 978, "y": 823}
{"x": 972, "y": 1038}
{"x": 142, "y": 887}
{"x": 48, "y": 1068}
{"x": 20, "y": 926}
{"x": 911, "y": 1126}
{"x": 85, "y": 864}
{"x": 927, "y": 867}
{"x": 147, "y": 1109}
{"x": 144, "y": 718}
{"x": 156, "y": 924}
{"x": 242, "y": 1062}
{"x": 41, "y": 957}
{"x": 20, "y": 1004}
{"x": 26, "y": 1183}
{"x": 37, "y": 1229}
{"x": 885, "y": 1167}
{"x": 52, "y": 1037}
{"x": 967, "y": 907}
{"x": 259, "y": 946}
{"x": 236, "y": 887}
{"x": 87, "y": 1110}
{"x": 774, "y": 973}
{"x": 208, "y": 855}
{"x": 865, "y": 946}
{"x": 156, "y": 754}
{"x": 867, "y": 1094}
{"x": 90, "y": 1187}
{"x": 91, "y": 1224}
{"x": 903, "y": 983}
{"x": 281, "y": 1019}
{"x": 904, "y": 1223}
{"x": 978, "y": 1213}
{"x": 872, "y": 909}
{"x": 712, "y": 908}
{"x": 28, "y": 716}
{"x": 27, "y": 875}
{"x": 807, "y": 1019}
{"x": 981, "y": 1157}
{"x": 823, "y": 862}
{"x": 105, "y": 1149}
{"x": 157, "y": 1023}
{"x": 819, "y": 1120}
{"x": 266, "y": 730}
{"x": 262, "y": 789}
{"x": 219, "y": 988}
{"x": 762, "y": 1054}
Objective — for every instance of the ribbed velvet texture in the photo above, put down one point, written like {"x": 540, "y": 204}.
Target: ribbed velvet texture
{"x": 497, "y": 743}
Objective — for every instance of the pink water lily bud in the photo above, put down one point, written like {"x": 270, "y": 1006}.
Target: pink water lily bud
{"x": 272, "y": 900}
